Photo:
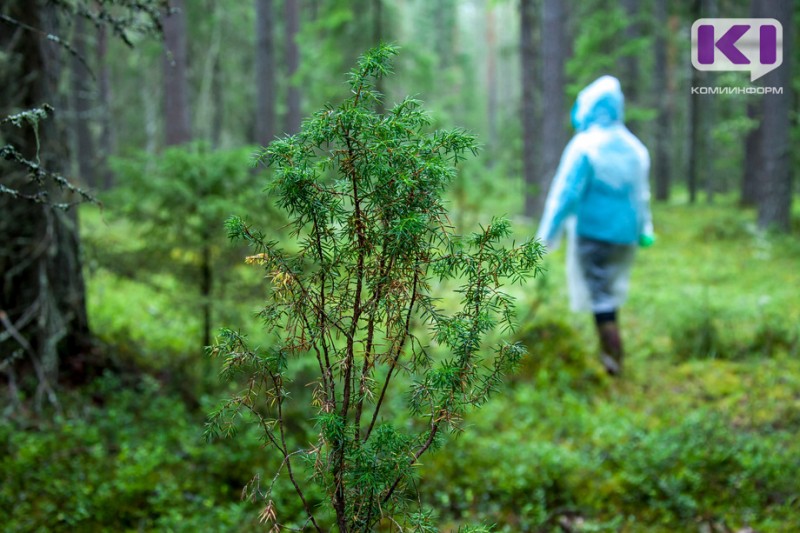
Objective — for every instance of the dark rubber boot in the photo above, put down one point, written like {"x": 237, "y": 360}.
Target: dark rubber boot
{"x": 611, "y": 347}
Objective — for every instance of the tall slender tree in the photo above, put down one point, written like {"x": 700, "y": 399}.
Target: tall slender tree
{"x": 292, "y": 17}
{"x": 377, "y": 21}
{"x": 491, "y": 83}
{"x": 775, "y": 196}
{"x": 444, "y": 14}
{"x": 265, "y": 73}
{"x": 44, "y": 330}
{"x": 695, "y": 136}
{"x": 707, "y": 118}
{"x": 218, "y": 100}
{"x": 217, "y": 86}
{"x": 533, "y": 201}
{"x": 177, "y": 126}
{"x": 552, "y": 134}
{"x": 377, "y": 39}
{"x": 82, "y": 100}
{"x": 662, "y": 167}
{"x": 629, "y": 63}
{"x": 753, "y": 165}
{"x": 107, "y": 138}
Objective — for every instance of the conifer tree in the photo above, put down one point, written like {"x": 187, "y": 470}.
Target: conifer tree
{"x": 355, "y": 295}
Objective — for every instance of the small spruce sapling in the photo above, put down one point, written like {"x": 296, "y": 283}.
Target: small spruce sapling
{"x": 363, "y": 192}
{"x": 177, "y": 199}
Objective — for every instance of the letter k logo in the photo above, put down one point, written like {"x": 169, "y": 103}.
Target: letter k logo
{"x": 726, "y": 44}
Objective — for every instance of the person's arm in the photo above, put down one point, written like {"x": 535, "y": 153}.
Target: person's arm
{"x": 565, "y": 191}
{"x": 646, "y": 233}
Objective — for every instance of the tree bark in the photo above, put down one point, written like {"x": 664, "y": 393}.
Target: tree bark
{"x": 377, "y": 38}
{"x": 491, "y": 84}
{"x": 533, "y": 203}
{"x": 695, "y": 135}
{"x": 82, "y": 92}
{"x": 552, "y": 134}
{"x": 775, "y": 198}
{"x": 753, "y": 164}
{"x": 43, "y": 324}
{"x": 663, "y": 142}
{"x": 218, "y": 103}
{"x": 177, "y": 128}
{"x": 445, "y": 19}
{"x": 630, "y": 63}
{"x": 217, "y": 96}
{"x": 104, "y": 90}
{"x": 707, "y": 119}
{"x": 206, "y": 288}
{"x": 292, "y": 15}
{"x": 265, "y": 73}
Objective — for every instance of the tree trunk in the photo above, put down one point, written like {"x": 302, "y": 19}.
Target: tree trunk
{"x": 104, "y": 90}
{"x": 43, "y": 324}
{"x": 177, "y": 128}
{"x": 377, "y": 38}
{"x": 695, "y": 135}
{"x": 753, "y": 165}
{"x": 150, "y": 111}
{"x": 662, "y": 86}
{"x": 552, "y": 134}
{"x": 377, "y": 22}
{"x": 707, "y": 119}
{"x": 630, "y": 63}
{"x": 82, "y": 105}
{"x": 265, "y": 73}
{"x": 206, "y": 286}
{"x": 445, "y": 20}
{"x": 491, "y": 85}
{"x": 775, "y": 196}
{"x": 292, "y": 14}
{"x": 218, "y": 103}
{"x": 533, "y": 205}
{"x": 701, "y": 112}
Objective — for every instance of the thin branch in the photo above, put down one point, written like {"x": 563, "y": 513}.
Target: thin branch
{"x": 278, "y": 390}
{"x": 39, "y": 175}
{"x": 44, "y": 385}
{"x": 52, "y": 38}
{"x": 398, "y": 352}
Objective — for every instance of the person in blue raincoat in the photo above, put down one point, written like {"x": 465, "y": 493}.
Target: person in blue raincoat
{"x": 600, "y": 197}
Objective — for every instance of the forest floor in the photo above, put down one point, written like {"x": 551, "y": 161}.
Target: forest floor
{"x": 701, "y": 434}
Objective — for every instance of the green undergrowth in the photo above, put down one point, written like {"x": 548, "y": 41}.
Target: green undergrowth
{"x": 141, "y": 306}
{"x": 700, "y": 435}
{"x": 125, "y": 456}
{"x": 713, "y": 442}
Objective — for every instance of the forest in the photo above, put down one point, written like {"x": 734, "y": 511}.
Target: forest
{"x": 287, "y": 265}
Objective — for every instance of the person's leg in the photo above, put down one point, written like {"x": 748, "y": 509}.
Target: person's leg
{"x": 597, "y": 260}
{"x": 611, "y": 353}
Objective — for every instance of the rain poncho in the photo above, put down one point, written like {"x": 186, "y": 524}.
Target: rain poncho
{"x": 600, "y": 193}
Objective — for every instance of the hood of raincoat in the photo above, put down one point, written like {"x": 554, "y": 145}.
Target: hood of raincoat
{"x": 601, "y": 103}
